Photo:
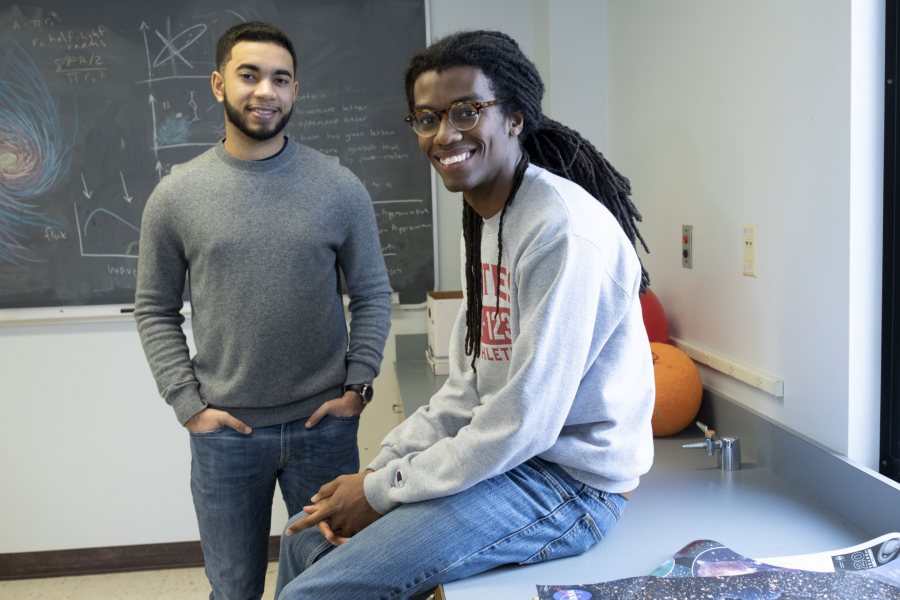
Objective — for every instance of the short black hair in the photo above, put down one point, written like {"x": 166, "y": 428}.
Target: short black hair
{"x": 251, "y": 31}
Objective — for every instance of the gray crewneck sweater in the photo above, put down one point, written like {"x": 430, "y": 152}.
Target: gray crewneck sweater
{"x": 264, "y": 242}
{"x": 565, "y": 370}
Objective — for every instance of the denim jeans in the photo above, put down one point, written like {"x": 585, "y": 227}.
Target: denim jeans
{"x": 532, "y": 513}
{"x": 233, "y": 481}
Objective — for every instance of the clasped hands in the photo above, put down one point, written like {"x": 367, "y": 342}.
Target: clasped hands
{"x": 339, "y": 508}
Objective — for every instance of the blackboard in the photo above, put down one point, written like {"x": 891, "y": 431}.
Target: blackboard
{"x": 98, "y": 99}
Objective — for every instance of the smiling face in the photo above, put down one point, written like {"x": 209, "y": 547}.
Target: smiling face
{"x": 480, "y": 162}
{"x": 257, "y": 88}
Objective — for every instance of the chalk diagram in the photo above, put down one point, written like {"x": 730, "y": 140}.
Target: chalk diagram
{"x": 34, "y": 154}
{"x": 172, "y": 128}
{"x": 169, "y": 61}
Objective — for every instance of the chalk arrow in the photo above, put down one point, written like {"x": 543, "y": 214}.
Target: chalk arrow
{"x": 126, "y": 196}
{"x": 144, "y": 27}
{"x": 87, "y": 193}
{"x": 152, "y": 102}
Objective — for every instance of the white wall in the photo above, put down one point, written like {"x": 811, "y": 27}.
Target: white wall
{"x": 91, "y": 456}
{"x": 743, "y": 112}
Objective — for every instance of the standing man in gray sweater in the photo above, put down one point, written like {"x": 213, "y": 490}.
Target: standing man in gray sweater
{"x": 263, "y": 227}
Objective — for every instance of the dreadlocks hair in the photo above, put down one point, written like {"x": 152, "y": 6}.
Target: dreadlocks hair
{"x": 545, "y": 142}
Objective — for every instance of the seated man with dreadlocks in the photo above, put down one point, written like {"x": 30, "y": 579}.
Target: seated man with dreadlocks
{"x": 530, "y": 450}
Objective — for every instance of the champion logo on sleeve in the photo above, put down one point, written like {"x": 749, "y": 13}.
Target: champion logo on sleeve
{"x": 398, "y": 479}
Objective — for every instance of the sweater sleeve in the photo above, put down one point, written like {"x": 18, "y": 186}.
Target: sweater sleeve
{"x": 162, "y": 267}
{"x": 369, "y": 288}
{"x": 557, "y": 303}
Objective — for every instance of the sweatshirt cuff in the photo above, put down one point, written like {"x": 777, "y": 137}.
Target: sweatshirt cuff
{"x": 381, "y": 460}
{"x": 377, "y": 487}
{"x": 359, "y": 373}
{"x": 186, "y": 401}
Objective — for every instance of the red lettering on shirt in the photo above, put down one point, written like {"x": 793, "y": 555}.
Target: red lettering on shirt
{"x": 489, "y": 280}
{"x": 495, "y": 353}
{"x": 496, "y": 340}
{"x": 495, "y": 326}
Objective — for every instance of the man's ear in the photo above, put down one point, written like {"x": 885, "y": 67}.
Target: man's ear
{"x": 217, "y": 83}
{"x": 516, "y": 123}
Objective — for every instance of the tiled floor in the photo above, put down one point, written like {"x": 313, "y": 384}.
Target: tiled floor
{"x": 172, "y": 584}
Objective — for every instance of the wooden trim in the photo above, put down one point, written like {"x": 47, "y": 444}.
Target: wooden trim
{"x": 111, "y": 559}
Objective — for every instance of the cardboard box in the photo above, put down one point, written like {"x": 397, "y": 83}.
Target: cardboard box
{"x": 442, "y": 308}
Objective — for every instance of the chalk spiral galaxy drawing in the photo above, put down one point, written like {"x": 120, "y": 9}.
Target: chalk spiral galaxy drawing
{"x": 34, "y": 152}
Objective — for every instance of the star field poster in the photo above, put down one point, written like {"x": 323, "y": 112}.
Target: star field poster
{"x": 709, "y": 570}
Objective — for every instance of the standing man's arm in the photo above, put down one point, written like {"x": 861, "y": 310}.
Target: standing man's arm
{"x": 162, "y": 267}
{"x": 362, "y": 263}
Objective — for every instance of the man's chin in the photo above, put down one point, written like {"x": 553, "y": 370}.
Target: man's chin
{"x": 452, "y": 184}
{"x": 263, "y": 134}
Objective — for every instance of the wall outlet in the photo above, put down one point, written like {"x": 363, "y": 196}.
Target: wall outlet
{"x": 749, "y": 250}
{"x": 687, "y": 243}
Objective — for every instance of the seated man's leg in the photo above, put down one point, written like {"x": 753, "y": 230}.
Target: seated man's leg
{"x": 532, "y": 513}
{"x": 298, "y": 553}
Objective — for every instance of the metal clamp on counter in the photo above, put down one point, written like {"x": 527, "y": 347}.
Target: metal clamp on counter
{"x": 729, "y": 447}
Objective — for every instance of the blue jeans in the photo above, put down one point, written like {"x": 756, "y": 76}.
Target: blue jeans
{"x": 532, "y": 513}
{"x": 233, "y": 481}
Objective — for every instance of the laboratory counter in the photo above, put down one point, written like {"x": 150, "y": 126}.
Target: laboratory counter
{"x": 790, "y": 496}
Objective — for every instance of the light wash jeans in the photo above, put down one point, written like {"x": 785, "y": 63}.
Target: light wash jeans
{"x": 532, "y": 513}
{"x": 233, "y": 481}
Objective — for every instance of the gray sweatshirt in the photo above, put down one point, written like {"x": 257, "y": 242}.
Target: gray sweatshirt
{"x": 565, "y": 370}
{"x": 264, "y": 243}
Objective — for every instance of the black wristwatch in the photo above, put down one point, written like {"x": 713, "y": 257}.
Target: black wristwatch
{"x": 364, "y": 390}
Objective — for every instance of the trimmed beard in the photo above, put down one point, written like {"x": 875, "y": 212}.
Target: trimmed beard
{"x": 236, "y": 117}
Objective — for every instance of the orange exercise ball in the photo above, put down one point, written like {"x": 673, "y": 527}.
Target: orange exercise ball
{"x": 654, "y": 317}
{"x": 678, "y": 390}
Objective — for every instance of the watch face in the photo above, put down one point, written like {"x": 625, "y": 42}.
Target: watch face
{"x": 366, "y": 392}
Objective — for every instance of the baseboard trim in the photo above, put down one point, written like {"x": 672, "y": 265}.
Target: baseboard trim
{"x": 111, "y": 559}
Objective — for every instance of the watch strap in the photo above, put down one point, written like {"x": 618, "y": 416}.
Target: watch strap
{"x": 364, "y": 390}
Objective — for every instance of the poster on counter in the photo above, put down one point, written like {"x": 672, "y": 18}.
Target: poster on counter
{"x": 707, "y": 569}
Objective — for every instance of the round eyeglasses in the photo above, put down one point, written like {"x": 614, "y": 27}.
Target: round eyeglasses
{"x": 463, "y": 115}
